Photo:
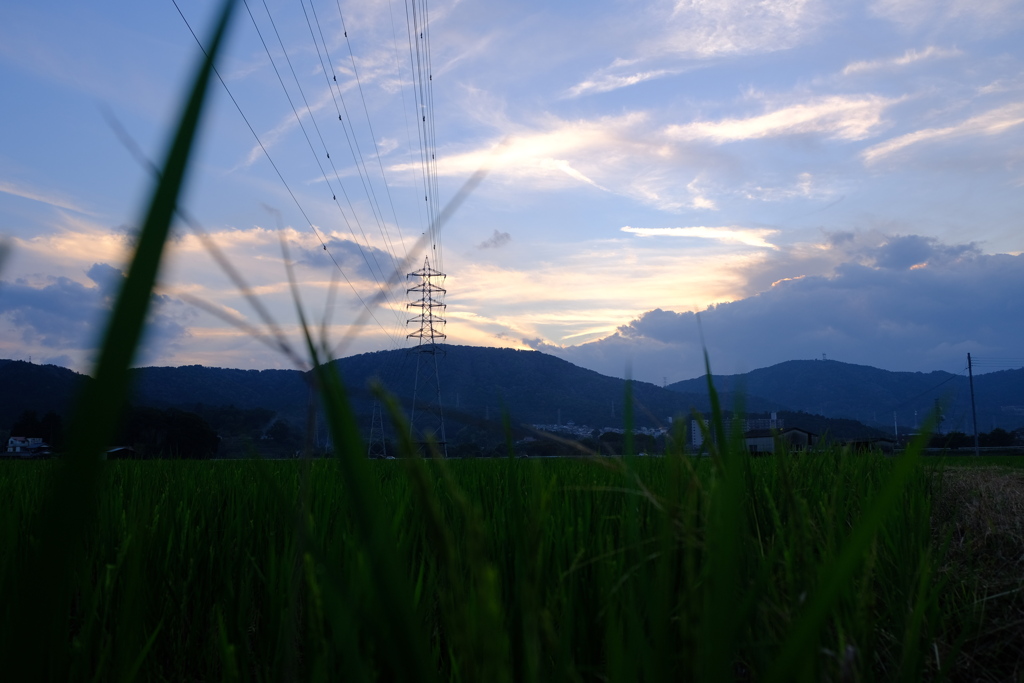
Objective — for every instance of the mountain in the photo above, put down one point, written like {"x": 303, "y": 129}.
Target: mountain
{"x": 477, "y": 385}
{"x": 42, "y": 388}
{"x": 870, "y": 395}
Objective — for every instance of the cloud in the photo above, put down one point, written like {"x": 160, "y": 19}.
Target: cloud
{"x": 624, "y": 155}
{"x": 904, "y": 252}
{"x": 672, "y": 37}
{"x": 288, "y": 122}
{"x": 806, "y": 185}
{"x": 840, "y": 117}
{"x": 365, "y": 262}
{"x": 495, "y": 241}
{"x": 907, "y": 58}
{"x": 62, "y": 316}
{"x": 992, "y": 122}
{"x": 708, "y": 29}
{"x": 912, "y": 303}
{"x": 541, "y": 152}
{"x": 45, "y": 197}
{"x": 600, "y": 83}
{"x": 752, "y": 237}
{"x": 980, "y": 17}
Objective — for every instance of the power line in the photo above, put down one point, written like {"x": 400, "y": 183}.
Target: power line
{"x": 354, "y": 149}
{"x": 373, "y": 137}
{"x": 928, "y": 391}
{"x": 999, "y": 363}
{"x": 281, "y": 178}
{"x": 306, "y": 134}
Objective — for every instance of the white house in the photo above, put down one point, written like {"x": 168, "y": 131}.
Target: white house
{"x": 27, "y": 446}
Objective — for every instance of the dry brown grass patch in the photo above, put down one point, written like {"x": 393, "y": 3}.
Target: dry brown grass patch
{"x": 981, "y": 509}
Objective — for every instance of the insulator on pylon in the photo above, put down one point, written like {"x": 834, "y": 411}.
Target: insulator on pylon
{"x": 426, "y": 419}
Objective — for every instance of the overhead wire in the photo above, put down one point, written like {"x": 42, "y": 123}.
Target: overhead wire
{"x": 353, "y": 140}
{"x": 355, "y": 149}
{"x": 284, "y": 182}
{"x": 401, "y": 89}
{"x": 997, "y": 362}
{"x": 432, "y": 144}
{"x": 928, "y": 391}
{"x": 366, "y": 111}
{"x": 417, "y": 66}
{"x": 309, "y": 142}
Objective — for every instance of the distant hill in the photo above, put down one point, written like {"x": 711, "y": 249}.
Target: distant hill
{"x": 42, "y": 388}
{"x": 870, "y": 395}
{"x": 534, "y": 387}
{"x": 479, "y": 383}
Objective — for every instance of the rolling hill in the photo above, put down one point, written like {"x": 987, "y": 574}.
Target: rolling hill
{"x": 870, "y": 395}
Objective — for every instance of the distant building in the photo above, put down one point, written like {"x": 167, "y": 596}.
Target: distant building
{"x": 878, "y": 443}
{"x": 767, "y": 440}
{"x": 765, "y": 424}
{"x": 27, "y": 446}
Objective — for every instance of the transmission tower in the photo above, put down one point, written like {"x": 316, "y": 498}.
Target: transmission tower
{"x": 377, "y": 446}
{"x": 426, "y": 419}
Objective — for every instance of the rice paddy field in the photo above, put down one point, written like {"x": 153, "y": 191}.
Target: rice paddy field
{"x": 824, "y": 567}
{"x": 818, "y": 567}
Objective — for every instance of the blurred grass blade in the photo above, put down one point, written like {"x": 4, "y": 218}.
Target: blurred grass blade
{"x": 100, "y": 403}
{"x": 40, "y": 610}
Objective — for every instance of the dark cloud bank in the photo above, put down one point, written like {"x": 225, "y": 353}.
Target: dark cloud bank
{"x": 67, "y": 318}
{"x": 910, "y": 303}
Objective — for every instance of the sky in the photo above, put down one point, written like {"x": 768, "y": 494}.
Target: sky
{"x": 772, "y": 180}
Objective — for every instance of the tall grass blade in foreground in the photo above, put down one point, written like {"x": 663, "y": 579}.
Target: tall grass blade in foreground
{"x": 34, "y": 635}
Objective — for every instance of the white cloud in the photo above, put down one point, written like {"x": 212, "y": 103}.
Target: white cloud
{"x": 805, "y": 185}
{"x": 992, "y": 122}
{"x": 841, "y": 117}
{"x": 907, "y": 58}
{"x": 44, "y": 196}
{"x": 544, "y": 151}
{"x": 686, "y": 30}
{"x": 600, "y": 83}
{"x": 974, "y": 16}
{"x": 752, "y": 237}
{"x": 706, "y": 29}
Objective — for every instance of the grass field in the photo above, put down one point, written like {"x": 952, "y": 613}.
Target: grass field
{"x": 515, "y": 570}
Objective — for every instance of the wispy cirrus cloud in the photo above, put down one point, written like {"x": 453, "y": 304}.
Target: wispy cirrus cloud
{"x": 975, "y": 16}
{"x": 992, "y": 122}
{"x": 606, "y": 82}
{"x": 752, "y": 237}
{"x": 836, "y": 116}
{"x": 907, "y": 58}
{"x": 671, "y": 36}
{"x": 554, "y": 149}
{"x": 43, "y": 196}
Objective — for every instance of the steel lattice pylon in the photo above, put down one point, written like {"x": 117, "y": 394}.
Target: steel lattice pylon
{"x": 377, "y": 447}
{"x": 426, "y": 419}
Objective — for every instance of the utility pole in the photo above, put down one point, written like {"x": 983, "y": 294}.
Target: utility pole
{"x": 974, "y": 412}
{"x": 426, "y": 421}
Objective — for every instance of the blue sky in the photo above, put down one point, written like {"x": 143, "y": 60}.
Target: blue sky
{"x": 840, "y": 178}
